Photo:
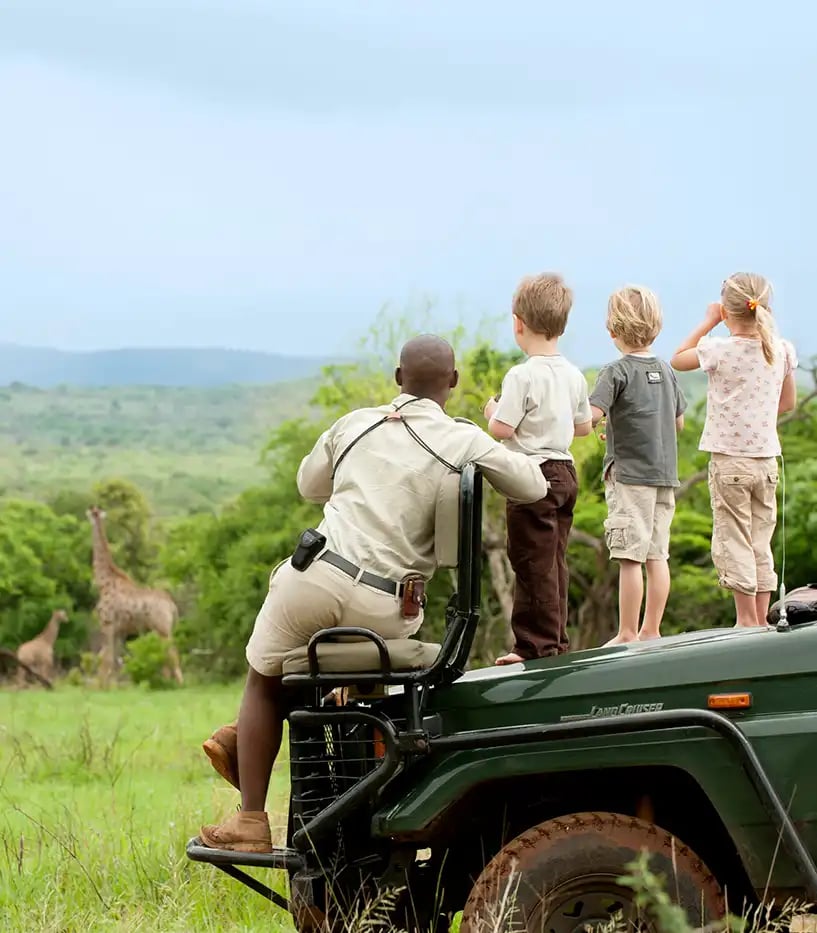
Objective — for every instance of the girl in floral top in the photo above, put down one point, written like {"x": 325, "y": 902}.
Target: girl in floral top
{"x": 750, "y": 377}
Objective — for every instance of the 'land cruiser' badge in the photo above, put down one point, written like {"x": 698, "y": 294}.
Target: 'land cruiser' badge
{"x": 620, "y": 709}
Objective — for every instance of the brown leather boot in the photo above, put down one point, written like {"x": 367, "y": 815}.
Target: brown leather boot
{"x": 222, "y": 750}
{"x": 245, "y": 831}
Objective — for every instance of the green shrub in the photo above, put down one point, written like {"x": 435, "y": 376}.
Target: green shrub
{"x": 667, "y": 917}
{"x": 147, "y": 660}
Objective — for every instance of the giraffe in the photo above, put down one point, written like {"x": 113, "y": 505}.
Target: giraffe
{"x": 124, "y": 607}
{"x": 38, "y": 653}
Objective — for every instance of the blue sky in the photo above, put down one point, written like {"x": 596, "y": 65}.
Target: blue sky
{"x": 268, "y": 174}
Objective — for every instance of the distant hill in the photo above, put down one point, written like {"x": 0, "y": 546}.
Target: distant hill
{"x": 188, "y": 448}
{"x": 45, "y": 368}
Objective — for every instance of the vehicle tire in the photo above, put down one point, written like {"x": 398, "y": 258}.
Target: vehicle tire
{"x": 562, "y": 876}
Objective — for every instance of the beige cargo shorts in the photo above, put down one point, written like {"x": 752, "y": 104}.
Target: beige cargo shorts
{"x": 743, "y": 491}
{"x": 300, "y": 603}
{"x": 638, "y": 520}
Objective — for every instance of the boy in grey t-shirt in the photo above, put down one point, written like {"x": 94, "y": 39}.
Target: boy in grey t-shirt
{"x": 643, "y": 404}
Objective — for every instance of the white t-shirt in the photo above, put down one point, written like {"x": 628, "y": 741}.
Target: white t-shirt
{"x": 743, "y": 395}
{"x": 542, "y": 399}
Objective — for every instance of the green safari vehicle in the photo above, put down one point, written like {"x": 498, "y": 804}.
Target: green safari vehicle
{"x": 526, "y": 790}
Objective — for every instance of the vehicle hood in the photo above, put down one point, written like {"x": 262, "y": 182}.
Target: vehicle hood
{"x": 672, "y": 672}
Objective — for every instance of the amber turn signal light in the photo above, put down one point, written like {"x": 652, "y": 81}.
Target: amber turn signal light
{"x": 729, "y": 700}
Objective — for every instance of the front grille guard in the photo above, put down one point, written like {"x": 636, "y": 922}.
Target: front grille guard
{"x": 339, "y": 760}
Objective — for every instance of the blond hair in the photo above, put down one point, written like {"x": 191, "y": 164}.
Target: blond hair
{"x": 746, "y": 296}
{"x": 634, "y": 316}
{"x": 543, "y": 303}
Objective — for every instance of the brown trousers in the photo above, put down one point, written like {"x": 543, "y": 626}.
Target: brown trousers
{"x": 537, "y": 546}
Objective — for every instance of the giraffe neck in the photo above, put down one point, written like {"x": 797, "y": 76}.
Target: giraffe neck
{"x": 50, "y": 632}
{"x": 104, "y": 567}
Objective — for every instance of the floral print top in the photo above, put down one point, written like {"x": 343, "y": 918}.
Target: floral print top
{"x": 743, "y": 394}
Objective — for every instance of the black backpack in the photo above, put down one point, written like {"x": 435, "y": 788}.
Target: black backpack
{"x": 801, "y": 606}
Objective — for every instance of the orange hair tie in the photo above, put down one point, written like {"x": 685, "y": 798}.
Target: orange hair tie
{"x": 751, "y": 304}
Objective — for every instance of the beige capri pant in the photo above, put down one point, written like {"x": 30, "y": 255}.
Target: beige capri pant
{"x": 301, "y": 603}
{"x": 744, "y": 515}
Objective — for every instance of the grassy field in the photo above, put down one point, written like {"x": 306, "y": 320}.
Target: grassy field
{"x": 99, "y": 792}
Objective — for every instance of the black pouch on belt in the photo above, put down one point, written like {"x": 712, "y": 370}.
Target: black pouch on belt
{"x": 414, "y": 597}
{"x": 310, "y": 544}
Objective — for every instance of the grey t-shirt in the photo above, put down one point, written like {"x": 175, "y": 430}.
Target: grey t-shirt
{"x": 641, "y": 398}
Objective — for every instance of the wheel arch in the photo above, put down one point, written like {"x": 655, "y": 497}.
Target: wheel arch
{"x": 478, "y": 824}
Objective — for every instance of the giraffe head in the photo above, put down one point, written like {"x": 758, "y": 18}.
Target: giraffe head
{"x": 95, "y": 514}
{"x": 60, "y": 616}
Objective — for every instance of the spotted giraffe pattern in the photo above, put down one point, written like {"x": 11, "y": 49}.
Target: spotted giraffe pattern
{"x": 38, "y": 653}
{"x": 124, "y": 608}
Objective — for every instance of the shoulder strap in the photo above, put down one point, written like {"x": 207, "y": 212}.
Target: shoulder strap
{"x": 387, "y": 417}
{"x": 433, "y": 453}
{"x": 394, "y": 416}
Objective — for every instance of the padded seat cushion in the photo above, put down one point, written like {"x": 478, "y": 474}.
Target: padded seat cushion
{"x": 362, "y": 657}
{"x": 447, "y": 521}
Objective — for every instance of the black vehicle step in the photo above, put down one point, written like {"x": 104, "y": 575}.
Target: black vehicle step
{"x": 279, "y": 858}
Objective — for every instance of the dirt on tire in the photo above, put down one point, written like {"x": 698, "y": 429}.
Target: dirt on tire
{"x": 583, "y": 852}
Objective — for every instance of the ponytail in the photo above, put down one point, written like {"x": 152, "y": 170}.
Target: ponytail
{"x": 765, "y": 328}
{"x": 747, "y": 295}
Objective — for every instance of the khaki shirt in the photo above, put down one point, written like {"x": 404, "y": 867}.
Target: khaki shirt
{"x": 380, "y": 509}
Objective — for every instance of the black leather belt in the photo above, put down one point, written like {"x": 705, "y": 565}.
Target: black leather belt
{"x": 370, "y": 579}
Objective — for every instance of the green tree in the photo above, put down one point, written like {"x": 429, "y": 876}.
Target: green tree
{"x": 44, "y": 565}
{"x": 797, "y": 525}
{"x": 226, "y": 560}
{"x": 129, "y": 524}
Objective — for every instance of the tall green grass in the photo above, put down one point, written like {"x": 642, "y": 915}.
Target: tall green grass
{"x": 99, "y": 792}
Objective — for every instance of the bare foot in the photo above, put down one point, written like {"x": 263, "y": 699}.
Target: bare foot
{"x": 648, "y": 636}
{"x": 620, "y": 639}
{"x": 509, "y": 659}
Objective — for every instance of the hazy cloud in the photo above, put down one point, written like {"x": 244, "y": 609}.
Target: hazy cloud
{"x": 222, "y": 170}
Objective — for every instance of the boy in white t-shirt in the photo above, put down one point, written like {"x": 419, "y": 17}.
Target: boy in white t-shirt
{"x": 543, "y": 406}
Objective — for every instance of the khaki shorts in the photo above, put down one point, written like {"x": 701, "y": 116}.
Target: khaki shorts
{"x": 300, "y": 603}
{"x": 744, "y": 514}
{"x": 638, "y": 520}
